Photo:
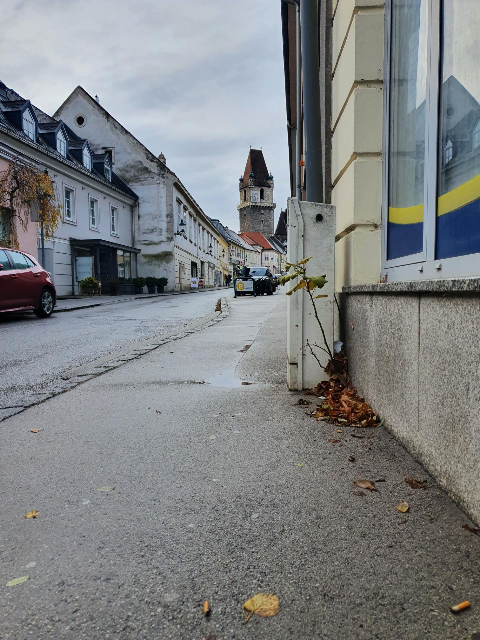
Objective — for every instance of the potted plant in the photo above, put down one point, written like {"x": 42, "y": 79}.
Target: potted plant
{"x": 151, "y": 284}
{"x": 89, "y": 286}
{"x": 161, "y": 284}
{"x": 138, "y": 284}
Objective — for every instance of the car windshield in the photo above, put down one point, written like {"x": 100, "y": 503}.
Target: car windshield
{"x": 258, "y": 272}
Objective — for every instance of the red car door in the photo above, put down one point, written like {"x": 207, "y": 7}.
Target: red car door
{"x": 24, "y": 282}
{"x": 6, "y": 282}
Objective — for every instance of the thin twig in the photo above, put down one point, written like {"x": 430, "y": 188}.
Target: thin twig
{"x": 315, "y": 355}
{"x": 319, "y": 323}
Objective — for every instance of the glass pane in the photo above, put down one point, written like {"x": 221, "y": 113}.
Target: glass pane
{"x": 4, "y": 261}
{"x": 19, "y": 260}
{"x": 128, "y": 271}
{"x": 407, "y": 127}
{"x": 120, "y": 264}
{"x": 458, "y": 212}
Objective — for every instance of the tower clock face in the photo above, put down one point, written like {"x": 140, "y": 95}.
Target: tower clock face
{"x": 255, "y": 196}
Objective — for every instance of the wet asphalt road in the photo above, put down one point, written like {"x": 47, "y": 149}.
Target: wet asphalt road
{"x": 34, "y": 352}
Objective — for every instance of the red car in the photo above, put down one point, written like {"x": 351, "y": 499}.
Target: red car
{"x": 24, "y": 284}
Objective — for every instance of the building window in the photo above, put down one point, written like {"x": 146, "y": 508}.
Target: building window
{"x": 68, "y": 204}
{"x": 61, "y": 144}
{"x": 29, "y": 125}
{"x": 244, "y": 195}
{"x": 190, "y": 228}
{"x": 262, "y": 194}
{"x": 179, "y": 215}
{"x": 93, "y": 213}
{"x": 431, "y": 198}
{"x": 448, "y": 150}
{"x": 120, "y": 264}
{"x": 476, "y": 136}
{"x": 107, "y": 172}
{"x": 114, "y": 221}
{"x": 87, "y": 159}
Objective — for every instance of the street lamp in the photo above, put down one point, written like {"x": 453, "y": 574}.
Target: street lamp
{"x": 181, "y": 224}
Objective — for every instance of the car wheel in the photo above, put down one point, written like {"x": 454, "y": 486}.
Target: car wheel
{"x": 45, "y": 308}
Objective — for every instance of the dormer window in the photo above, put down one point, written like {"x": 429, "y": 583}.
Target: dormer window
{"x": 476, "y": 136}
{"x": 87, "y": 159}
{"x": 29, "y": 125}
{"x": 61, "y": 144}
{"x": 107, "y": 172}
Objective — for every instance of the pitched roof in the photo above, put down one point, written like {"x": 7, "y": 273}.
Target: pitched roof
{"x": 281, "y": 229}
{"x": 257, "y": 238}
{"x": 11, "y": 100}
{"x": 256, "y": 165}
{"x": 276, "y": 244}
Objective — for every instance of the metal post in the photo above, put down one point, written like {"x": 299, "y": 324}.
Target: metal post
{"x": 311, "y": 100}
{"x": 298, "y": 119}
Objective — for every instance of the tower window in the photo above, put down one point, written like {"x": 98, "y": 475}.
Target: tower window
{"x": 262, "y": 193}
{"x": 244, "y": 195}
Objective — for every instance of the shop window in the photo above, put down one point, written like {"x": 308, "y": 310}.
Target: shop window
{"x": 432, "y": 187}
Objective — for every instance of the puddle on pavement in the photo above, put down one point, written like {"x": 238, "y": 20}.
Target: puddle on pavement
{"x": 227, "y": 379}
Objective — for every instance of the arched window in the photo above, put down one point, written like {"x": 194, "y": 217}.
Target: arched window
{"x": 262, "y": 193}
{"x": 476, "y": 136}
{"x": 448, "y": 151}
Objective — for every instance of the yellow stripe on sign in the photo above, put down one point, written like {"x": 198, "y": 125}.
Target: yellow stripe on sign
{"x": 459, "y": 197}
{"x": 406, "y": 215}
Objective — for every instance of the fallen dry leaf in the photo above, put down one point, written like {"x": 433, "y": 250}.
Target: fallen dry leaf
{"x": 15, "y": 581}
{"x": 339, "y": 431}
{"x": 470, "y": 529}
{"x": 403, "y": 507}
{"x": 158, "y": 411}
{"x": 359, "y": 493}
{"x": 365, "y": 484}
{"x": 300, "y": 464}
{"x": 206, "y": 608}
{"x": 333, "y": 440}
{"x": 35, "y": 430}
{"x": 415, "y": 484}
{"x": 31, "y": 514}
{"x": 105, "y": 488}
{"x": 263, "y": 604}
{"x": 351, "y": 458}
{"x": 302, "y": 402}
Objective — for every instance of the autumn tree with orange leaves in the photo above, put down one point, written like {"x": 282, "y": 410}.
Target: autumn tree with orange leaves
{"x": 23, "y": 188}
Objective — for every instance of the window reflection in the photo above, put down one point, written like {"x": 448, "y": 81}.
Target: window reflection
{"x": 458, "y": 211}
{"x": 407, "y": 127}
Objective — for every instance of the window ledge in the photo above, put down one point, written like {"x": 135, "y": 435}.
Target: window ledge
{"x": 74, "y": 222}
{"x": 454, "y": 285}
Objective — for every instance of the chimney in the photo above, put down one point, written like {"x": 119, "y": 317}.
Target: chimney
{"x": 162, "y": 158}
{"x": 97, "y": 99}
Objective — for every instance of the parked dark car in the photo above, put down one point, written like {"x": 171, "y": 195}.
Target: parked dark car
{"x": 262, "y": 281}
{"x": 24, "y": 284}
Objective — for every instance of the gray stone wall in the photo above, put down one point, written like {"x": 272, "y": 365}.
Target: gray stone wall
{"x": 257, "y": 218}
{"x": 415, "y": 356}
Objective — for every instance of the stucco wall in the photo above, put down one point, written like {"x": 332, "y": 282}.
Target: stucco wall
{"x": 357, "y": 103}
{"x": 415, "y": 357}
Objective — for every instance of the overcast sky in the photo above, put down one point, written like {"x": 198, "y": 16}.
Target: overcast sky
{"x": 199, "y": 80}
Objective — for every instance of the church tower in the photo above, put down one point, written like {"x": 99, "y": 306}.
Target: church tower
{"x": 256, "y": 196}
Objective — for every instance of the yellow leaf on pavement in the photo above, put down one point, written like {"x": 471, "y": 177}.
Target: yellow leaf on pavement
{"x": 403, "y": 507}
{"x": 31, "y": 514}
{"x": 105, "y": 488}
{"x": 366, "y": 484}
{"x": 263, "y": 604}
{"x": 16, "y": 581}
{"x": 35, "y": 430}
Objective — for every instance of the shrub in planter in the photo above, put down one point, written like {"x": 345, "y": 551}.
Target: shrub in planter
{"x": 161, "y": 284}
{"x": 151, "y": 284}
{"x": 138, "y": 284}
{"x": 89, "y": 286}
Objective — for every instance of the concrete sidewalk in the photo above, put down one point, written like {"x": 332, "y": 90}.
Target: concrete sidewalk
{"x": 74, "y": 303}
{"x": 222, "y": 490}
